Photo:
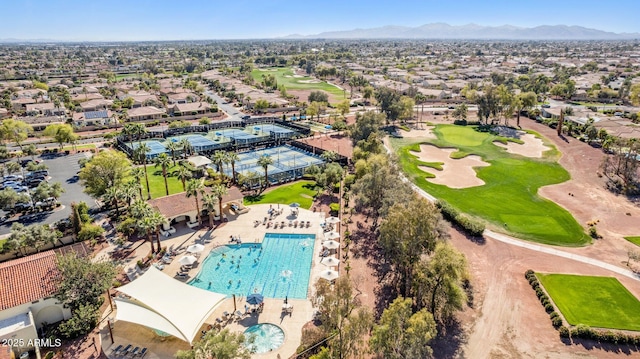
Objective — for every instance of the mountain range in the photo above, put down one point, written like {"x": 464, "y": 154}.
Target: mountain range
{"x": 474, "y": 32}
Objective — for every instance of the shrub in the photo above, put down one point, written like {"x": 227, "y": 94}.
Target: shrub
{"x": 593, "y": 232}
{"x": 460, "y": 122}
{"x": 529, "y": 273}
{"x": 564, "y": 332}
{"x": 553, "y": 315}
{"x": 335, "y": 207}
{"x": 470, "y": 226}
{"x": 556, "y": 322}
{"x": 90, "y": 232}
{"x": 349, "y": 180}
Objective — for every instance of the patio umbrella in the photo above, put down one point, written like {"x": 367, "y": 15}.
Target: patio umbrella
{"x": 332, "y": 220}
{"x": 294, "y": 205}
{"x": 195, "y": 248}
{"x": 328, "y": 127}
{"x": 331, "y": 244}
{"x": 187, "y": 260}
{"x": 330, "y": 261}
{"x": 332, "y": 235}
{"x": 255, "y": 298}
{"x": 329, "y": 275}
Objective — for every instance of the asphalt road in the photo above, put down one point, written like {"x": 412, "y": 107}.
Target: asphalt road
{"x": 63, "y": 169}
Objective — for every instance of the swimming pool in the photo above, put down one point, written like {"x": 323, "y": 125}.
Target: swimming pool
{"x": 278, "y": 267}
{"x": 262, "y": 338}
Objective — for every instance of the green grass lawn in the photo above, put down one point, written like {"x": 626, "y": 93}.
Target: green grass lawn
{"x": 634, "y": 239}
{"x": 509, "y": 198}
{"x": 284, "y": 76}
{"x": 156, "y": 181}
{"x": 601, "y": 302}
{"x": 301, "y": 192}
{"x": 89, "y": 146}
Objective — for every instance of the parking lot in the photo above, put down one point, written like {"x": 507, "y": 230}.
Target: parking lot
{"x": 64, "y": 169}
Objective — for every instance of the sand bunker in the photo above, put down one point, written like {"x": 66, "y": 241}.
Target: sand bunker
{"x": 456, "y": 173}
{"x": 312, "y": 81}
{"x": 426, "y": 133}
{"x": 532, "y": 146}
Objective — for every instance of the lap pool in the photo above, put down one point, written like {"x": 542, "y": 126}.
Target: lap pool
{"x": 278, "y": 267}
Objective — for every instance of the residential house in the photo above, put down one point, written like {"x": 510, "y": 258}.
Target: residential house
{"x": 96, "y": 105}
{"x": 92, "y": 118}
{"x": 193, "y": 108}
{"x": 41, "y": 122}
{"x": 26, "y": 299}
{"x": 145, "y": 113}
{"x": 45, "y": 109}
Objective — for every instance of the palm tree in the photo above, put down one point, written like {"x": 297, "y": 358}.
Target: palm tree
{"x": 173, "y": 148}
{"x": 137, "y": 173}
{"x": 232, "y": 158}
{"x": 132, "y": 129}
{"x": 141, "y": 153}
{"x": 219, "y": 191}
{"x": 329, "y": 156}
{"x": 184, "y": 174}
{"x": 209, "y": 202}
{"x": 113, "y": 195}
{"x": 219, "y": 157}
{"x": 158, "y": 219}
{"x": 129, "y": 191}
{"x": 163, "y": 161}
{"x": 194, "y": 188}
{"x": 264, "y": 161}
{"x": 186, "y": 147}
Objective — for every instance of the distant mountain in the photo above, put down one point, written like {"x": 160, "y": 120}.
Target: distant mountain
{"x": 474, "y": 32}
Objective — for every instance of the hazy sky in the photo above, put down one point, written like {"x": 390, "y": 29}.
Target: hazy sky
{"x": 86, "y": 20}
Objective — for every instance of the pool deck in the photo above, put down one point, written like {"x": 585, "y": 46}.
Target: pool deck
{"x": 242, "y": 225}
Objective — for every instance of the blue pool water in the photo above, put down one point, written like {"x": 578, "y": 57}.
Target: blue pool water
{"x": 278, "y": 267}
{"x": 262, "y": 338}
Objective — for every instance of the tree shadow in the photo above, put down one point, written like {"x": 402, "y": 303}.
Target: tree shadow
{"x": 448, "y": 343}
{"x": 589, "y": 344}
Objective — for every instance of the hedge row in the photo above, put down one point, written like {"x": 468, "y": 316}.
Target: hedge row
{"x": 579, "y": 331}
{"x": 471, "y": 226}
{"x": 556, "y": 321}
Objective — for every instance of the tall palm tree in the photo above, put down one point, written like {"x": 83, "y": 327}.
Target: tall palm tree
{"x": 264, "y": 161}
{"x": 163, "y": 161}
{"x": 129, "y": 191}
{"x": 219, "y": 157}
{"x": 184, "y": 174}
{"x": 173, "y": 147}
{"x": 137, "y": 173}
{"x": 158, "y": 219}
{"x": 232, "y": 158}
{"x": 209, "y": 202}
{"x": 219, "y": 191}
{"x": 186, "y": 147}
{"x": 141, "y": 154}
{"x": 194, "y": 188}
{"x": 113, "y": 195}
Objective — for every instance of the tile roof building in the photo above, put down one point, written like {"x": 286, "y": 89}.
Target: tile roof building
{"x": 27, "y": 286}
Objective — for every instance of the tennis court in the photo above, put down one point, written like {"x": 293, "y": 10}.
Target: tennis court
{"x": 288, "y": 163}
{"x": 155, "y": 148}
{"x": 198, "y": 142}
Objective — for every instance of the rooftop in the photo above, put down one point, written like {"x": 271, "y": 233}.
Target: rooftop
{"x": 27, "y": 279}
{"x": 178, "y": 204}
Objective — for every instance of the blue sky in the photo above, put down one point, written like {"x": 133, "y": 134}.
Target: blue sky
{"x": 97, "y": 20}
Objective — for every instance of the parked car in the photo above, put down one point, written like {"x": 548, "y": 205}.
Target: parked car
{"x": 13, "y": 178}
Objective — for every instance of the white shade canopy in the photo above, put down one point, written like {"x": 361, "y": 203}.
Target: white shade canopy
{"x": 332, "y": 220}
{"x": 331, "y": 244}
{"x": 163, "y": 303}
{"x": 330, "y": 261}
{"x": 195, "y": 248}
{"x": 332, "y": 235}
{"x": 187, "y": 260}
{"x": 329, "y": 275}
